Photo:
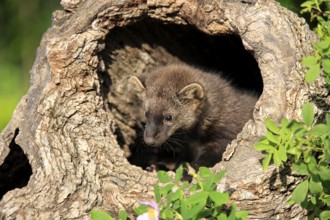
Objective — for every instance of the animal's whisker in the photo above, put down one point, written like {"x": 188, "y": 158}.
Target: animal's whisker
{"x": 170, "y": 147}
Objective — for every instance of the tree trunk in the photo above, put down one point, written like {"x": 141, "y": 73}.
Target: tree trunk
{"x": 62, "y": 153}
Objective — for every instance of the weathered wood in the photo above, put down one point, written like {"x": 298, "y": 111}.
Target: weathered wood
{"x": 78, "y": 110}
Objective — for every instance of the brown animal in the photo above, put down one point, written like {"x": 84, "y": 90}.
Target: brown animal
{"x": 192, "y": 112}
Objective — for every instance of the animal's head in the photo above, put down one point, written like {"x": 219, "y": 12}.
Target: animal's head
{"x": 168, "y": 109}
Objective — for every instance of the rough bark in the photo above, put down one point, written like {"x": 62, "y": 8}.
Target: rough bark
{"x": 77, "y": 115}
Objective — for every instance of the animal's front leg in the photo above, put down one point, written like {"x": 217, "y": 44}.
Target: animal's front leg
{"x": 210, "y": 153}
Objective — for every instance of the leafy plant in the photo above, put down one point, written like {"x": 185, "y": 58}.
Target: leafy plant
{"x": 300, "y": 144}
{"x": 320, "y": 60}
{"x": 182, "y": 200}
{"x": 194, "y": 201}
{"x": 307, "y": 149}
{"x": 101, "y": 215}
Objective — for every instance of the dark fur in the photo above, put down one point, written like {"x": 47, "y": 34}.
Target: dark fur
{"x": 205, "y": 108}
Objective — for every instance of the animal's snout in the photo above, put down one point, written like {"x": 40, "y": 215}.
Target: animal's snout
{"x": 150, "y": 141}
{"x": 151, "y": 135}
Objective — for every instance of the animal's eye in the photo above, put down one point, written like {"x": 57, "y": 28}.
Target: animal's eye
{"x": 168, "y": 117}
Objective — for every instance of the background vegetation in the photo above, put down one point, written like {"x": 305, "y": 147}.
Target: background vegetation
{"x": 22, "y": 24}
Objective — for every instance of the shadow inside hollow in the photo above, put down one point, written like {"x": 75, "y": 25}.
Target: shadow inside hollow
{"x": 16, "y": 170}
{"x": 223, "y": 54}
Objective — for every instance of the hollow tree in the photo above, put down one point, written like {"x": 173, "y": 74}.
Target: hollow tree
{"x": 62, "y": 152}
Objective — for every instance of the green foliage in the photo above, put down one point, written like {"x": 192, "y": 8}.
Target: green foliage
{"x": 320, "y": 61}
{"x": 307, "y": 149}
{"x": 194, "y": 201}
{"x": 100, "y": 215}
{"x": 300, "y": 144}
{"x": 180, "y": 200}
{"x": 9, "y": 92}
{"x": 21, "y": 25}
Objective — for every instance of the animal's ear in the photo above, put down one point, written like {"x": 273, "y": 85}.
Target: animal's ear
{"x": 191, "y": 91}
{"x": 136, "y": 84}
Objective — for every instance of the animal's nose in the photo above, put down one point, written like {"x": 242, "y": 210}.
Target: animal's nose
{"x": 150, "y": 141}
{"x": 151, "y": 134}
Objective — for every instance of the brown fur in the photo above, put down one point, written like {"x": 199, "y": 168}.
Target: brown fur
{"x": 204, "y": 107}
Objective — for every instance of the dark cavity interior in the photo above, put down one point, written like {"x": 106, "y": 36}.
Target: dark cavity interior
{"x": 15, "y": 171}
{"x": 136, "y": 48}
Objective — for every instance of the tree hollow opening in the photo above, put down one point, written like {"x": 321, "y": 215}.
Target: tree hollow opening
{"x": 16, "y": 170}
{"x": 136, "y": 49}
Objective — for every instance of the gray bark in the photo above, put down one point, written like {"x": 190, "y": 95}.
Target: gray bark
{"x": 69, "y": 122}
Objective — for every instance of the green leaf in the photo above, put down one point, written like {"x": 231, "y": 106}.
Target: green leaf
{"x": 222, "y": 216}
{"x": 219, "y": 198}
{"x": 184, "y": 185}
{"x": 204, "y": 172}
{"x": 323, "y": 45}
{"x": 312, "y": 73}
{"x": 218, "y": 176}
{"x": 308, "y": 114}
{"x": 196, "y": 209}
{"x": 320, "y": 129}
{"x": 100, "y": 215}
{"x": 311, "y": 163}
{"x": 196, "y": 198}
{"x": 315, "y": 186}
{"x": 309, "y": 61}
{"x": 325, "y": 215}
{"x": 313, "y": 199}
{"x": 184, "y": 209}
{"x": 282, "y": 153}
{"x": 141, "y": 209}
{"x": 166, "y": 213}
{"x": 266, "y": 161}
{"x": 300, "y": 192}
{"x": 272, "y": 138}
{"x": 166, "y": 189}
{"x": 324, "y": 173}
{"x": 264, "y": 140}
{"x": 276, "y": 158}
{"x": 327, "y": 79}
{"x": 286, "y": 135}
{"x": 284, "y": 122}
{"x": 272, "y": 126}
{"x": 294, "y": 125}
{"x": 327, "y": 119}
{"x": 204, "y": 213}
{"x": 326, "y": 150}
{"x": 209, "y": 184}
{"x": 157, "y": 193}
{"x": 176, "y": 205}
{"x": 300, "y": 168}
{"x": 241, "y": 215}
{"x": 163, "y": 176}
{"x": 264, "y": 147}
{"x": 232, "y": 215}
{"x": 307, "y": 4}
{"x": 194, "y": 187}
{"x": 123, "y": 215}
{"x": 175, "y": 196}
{"x": 327, "y": 201}
{"x": 326, "y": 65}
{"x": 295, "y": 152}
{"x": 300, "y": 134}
{"x": 178, "y": 174}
